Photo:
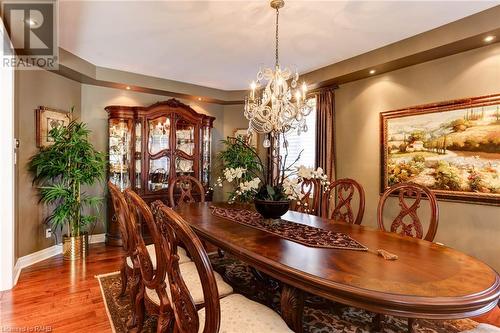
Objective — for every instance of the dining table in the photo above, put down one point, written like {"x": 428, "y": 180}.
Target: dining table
{"x": 427, "y": 280}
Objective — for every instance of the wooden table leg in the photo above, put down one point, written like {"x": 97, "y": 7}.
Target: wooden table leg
{"x": 410, "y": 325}
{"x": 378, "y": 323}
{"x": 292, "y": 307}
{"x": 266, "y": 284}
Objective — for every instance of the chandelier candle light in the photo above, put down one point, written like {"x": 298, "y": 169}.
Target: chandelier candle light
{"x": 281, "y": 105}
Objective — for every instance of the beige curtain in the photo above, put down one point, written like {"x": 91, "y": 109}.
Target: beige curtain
{"x": 325, "y": 132}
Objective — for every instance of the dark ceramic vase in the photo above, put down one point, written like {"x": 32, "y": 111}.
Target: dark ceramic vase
{"x": 271, "y": 209}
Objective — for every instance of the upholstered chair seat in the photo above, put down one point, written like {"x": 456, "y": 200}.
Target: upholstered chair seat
{"x": 183, "y": 257}
{"x": 484, "y": 328}
{"x": 242, "y": 315}
{"x": 193, "y": 283}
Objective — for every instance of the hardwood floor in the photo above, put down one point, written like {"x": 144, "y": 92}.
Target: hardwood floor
{"x": 65, "y": 297}
{"x": 61, "y": 296}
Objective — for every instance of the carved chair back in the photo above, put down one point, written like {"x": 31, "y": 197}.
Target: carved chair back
{"x": 341, "y": 193}
{"x": 151, "y": 278}
{"x": 123, "y": 217}
{"x": 310, "y": 190}
{"x": 186, "y": 315}
{"x": 406, "y": 192}
{"x": 186, "y": 186}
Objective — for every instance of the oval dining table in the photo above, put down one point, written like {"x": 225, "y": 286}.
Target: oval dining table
{"x": 428, "y": 280}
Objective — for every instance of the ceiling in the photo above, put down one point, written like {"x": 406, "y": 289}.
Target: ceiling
{"x": 221, "y": 44}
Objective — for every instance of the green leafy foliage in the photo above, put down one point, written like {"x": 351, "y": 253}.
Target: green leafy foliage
{"x": 271, "y": 193}
{"x": 237, "y": 154}
{"x": 447, "y": 177}
{"x": 61, "y": 169}
{"x": 475, "y": 181}
{"x": 460, "y": 125}
{"x": 416, "y": 136}
{"x": 418, "y": 158}
{"x": 403, "y": 171}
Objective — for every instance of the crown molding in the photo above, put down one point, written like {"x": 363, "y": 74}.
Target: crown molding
{"x": 456, "y": 37}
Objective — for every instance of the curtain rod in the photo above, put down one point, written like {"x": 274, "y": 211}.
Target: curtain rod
{"x": 321, "y": 89}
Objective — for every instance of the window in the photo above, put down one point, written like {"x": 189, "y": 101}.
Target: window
{"x": 305, "y": 142}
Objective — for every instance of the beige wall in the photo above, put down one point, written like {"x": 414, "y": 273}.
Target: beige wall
{"x": 473, "y": 229}
{"x": 33, "y": 89}
{"x": 233, "y": 119}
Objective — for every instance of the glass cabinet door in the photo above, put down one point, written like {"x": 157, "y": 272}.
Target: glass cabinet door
{"x": 159, "y": 134}
{"x": 184, "y": 135}
{"x": 159, "y": 170}
{"x": 159, "y": 153}
{"x": 138, "y": 155}
{"x": 185, "y": 145}
{"x": 119, "y": 152}
{"x": 206, "y": 142}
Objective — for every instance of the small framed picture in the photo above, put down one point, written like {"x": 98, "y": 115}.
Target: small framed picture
{"x": 47, "y": 119}
{"x": 242, "y": 134}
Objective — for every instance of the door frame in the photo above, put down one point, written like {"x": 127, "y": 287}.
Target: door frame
{"x": 7, "y": 173}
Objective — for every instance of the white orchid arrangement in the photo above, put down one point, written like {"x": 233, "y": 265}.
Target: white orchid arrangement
{"x": 293, "y": 183}
{"x": 247, "y": 189}
{"x": 251, "y": 178}
{"x": 244, "y": 189}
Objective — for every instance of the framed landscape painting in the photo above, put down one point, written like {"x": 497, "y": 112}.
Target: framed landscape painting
{"x": 451, "y": 147}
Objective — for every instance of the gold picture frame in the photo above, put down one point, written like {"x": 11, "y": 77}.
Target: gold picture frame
{"x": 46, "y": 119}
{"x": 451, "y": 147}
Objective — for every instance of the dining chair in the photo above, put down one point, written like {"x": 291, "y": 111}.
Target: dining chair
{"x": 129, "y": 268}
{"x": 153, "y": 295}
{"x": 234, "y": 313}
{"x": 185, "y": 188}
{"x": 341, "y": 193}
{"x": 310, "y": 194}
{"x": 121, "y": 215}
{"x": 409, "y": 197}
{"x": 186, "y": 185}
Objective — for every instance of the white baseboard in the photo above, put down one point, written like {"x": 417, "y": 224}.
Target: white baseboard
{"x": 97, "y": 238}
{"x": 47, "y": 253}
{"x": 35, "y": 257}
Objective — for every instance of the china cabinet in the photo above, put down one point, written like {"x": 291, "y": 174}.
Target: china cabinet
{"x": 149, "y": 146}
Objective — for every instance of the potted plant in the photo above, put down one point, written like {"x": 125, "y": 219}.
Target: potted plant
{"x": 252, "y": 181}
{"x": 60, "y": 170}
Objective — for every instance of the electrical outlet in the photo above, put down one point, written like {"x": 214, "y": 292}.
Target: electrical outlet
{"x": 48, "y": 233}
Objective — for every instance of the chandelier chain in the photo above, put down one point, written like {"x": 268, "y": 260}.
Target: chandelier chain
{"x": 276, "y": 104}
{"x": 277, "y": 36}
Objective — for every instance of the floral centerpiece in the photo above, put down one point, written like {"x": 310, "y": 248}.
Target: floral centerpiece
{"x": 252, "y": 182}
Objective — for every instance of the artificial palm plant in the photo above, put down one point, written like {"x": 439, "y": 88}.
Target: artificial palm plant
{"x": 61, "y": 170}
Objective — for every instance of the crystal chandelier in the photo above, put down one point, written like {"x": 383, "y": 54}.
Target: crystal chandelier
{"x": 281, "y": 105}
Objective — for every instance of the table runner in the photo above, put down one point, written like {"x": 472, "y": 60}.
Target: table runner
{"x": 296, "y": 232}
